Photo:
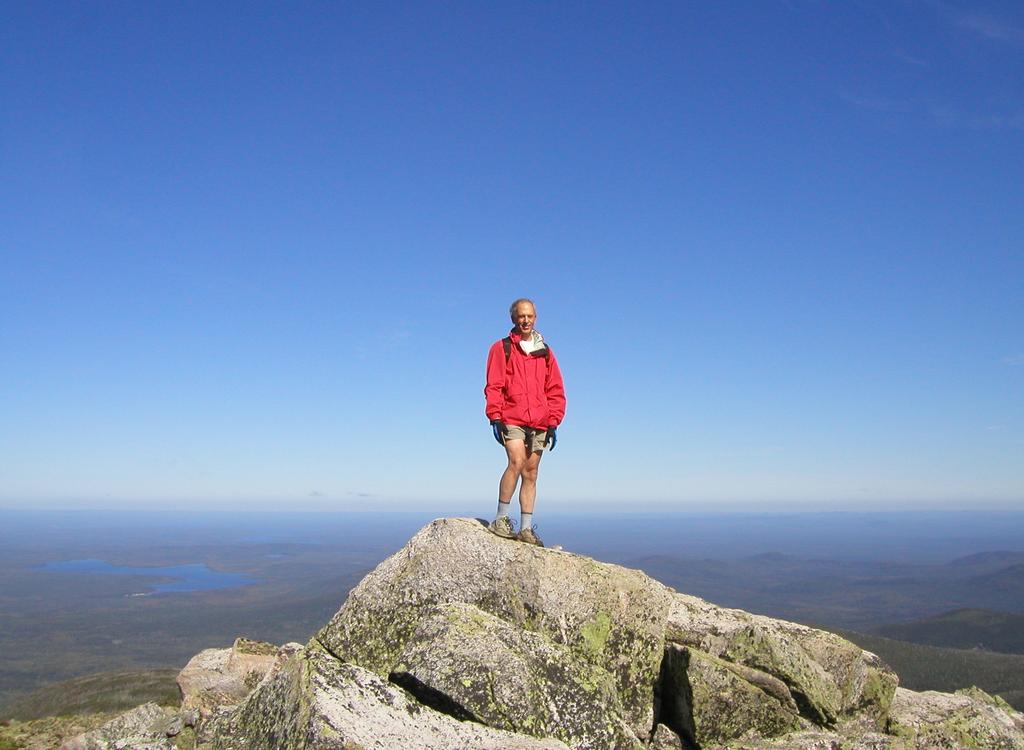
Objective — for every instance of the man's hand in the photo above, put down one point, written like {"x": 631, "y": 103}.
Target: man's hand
{"x": 551, "y": 438}
{"x": 498, "y": 429}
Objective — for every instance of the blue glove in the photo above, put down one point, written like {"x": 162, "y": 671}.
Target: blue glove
{"x": 498, "y": 429}
{"x": 551, "y": 438}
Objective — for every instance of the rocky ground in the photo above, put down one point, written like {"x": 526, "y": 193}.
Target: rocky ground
{"x": 466, "y": 640}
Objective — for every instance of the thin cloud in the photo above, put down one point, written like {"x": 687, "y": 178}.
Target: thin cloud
{"x": 938, "y": 113}
{"x": 879, "y": 104}
{"x": 906, "y": 57}
{"x": 990, "y": 28}
{"x": 896, "y": 49}
{"x": 943, "y": 112}
{"x": 385, "y": 341}
{"x": 951, "y": 118}
{"x": 1015, "y": 360}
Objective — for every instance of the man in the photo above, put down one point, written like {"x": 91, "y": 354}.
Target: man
{"x": 525, "y": 403}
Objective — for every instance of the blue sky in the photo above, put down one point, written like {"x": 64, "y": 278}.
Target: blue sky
{"x": 253, "y": 254}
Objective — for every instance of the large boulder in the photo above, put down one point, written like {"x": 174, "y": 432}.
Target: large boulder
{"x": 829, "y": 678}
{"x": 315, "y": 702}
{"x": 479, "y": 667}
{"x": 607, "y": 616}
{"x": 709, "y": 700}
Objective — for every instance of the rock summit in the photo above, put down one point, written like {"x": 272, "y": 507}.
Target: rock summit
{"x": 465, "y": 640}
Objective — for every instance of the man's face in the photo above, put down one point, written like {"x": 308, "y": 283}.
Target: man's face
{"x": 524, "y": 318}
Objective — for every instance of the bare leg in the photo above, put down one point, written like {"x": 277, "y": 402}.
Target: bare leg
{"x": 528, "y": 489}
{"x": 516, "y": 451}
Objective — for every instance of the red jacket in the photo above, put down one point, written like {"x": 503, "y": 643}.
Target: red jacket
{"x": 524, "y": 389}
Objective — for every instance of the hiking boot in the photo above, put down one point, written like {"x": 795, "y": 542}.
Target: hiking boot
{"x": 530, "y": 537}
{"x": 502, "y": 527}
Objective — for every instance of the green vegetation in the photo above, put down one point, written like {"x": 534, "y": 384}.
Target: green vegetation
{"x": 932, "y": 668}
{"x": 964, "y": 629}
{"x": 108, "y": 692}
{"x": 186, "y": 740}
{"x": 50, "y": 732}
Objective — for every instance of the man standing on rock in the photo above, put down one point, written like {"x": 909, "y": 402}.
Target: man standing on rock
{"x": 525, "y": 403}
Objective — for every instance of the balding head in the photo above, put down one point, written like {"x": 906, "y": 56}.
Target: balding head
{"x": 513, "y": 308}
{"x": 524, "y": 315}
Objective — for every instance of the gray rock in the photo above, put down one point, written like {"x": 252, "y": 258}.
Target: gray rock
{"x": 665, "y": 739}
{"x": 814, "y": 739}
{"x": 723, "y": 705}
{"x": 316, "y": 702}
{"x": 174, "y": 726}
{"x": 225, "y": 676}
{"x": 940, "y": 720}
{"x": 142, "y": 728}
{"x": 481, "y": 668}
{"x": 829, "y": 678}
{"x": 772, "y": 686}
{"x": 919, "y": 721}
{"x": 609, "y": 616}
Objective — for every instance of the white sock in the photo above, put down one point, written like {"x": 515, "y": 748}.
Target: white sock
{"x": 503, "y": 509}
{"x": 526, "y": 520}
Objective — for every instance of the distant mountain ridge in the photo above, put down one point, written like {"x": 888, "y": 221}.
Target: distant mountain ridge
{"x": 851, "y": 595}
{"x": 993, "y": 559}
{"x": 1007, "y": 581}
{"x": 963, "y": 629}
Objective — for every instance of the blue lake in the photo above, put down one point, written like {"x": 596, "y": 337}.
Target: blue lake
{"x": 184, "y": 578}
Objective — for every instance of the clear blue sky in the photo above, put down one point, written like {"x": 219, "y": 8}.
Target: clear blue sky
{"x": 253, "y": 254}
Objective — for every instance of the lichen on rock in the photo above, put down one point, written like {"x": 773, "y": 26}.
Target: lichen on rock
{"x": 829, "y": 678}
{"x": 141, "y": 728}
{"x": 726, "y": 706}
{"x": 609, "y": 616}
{"x": 971, "y": 720}
{"x": 487, "y": 670}
{"x": 319, "y": 703}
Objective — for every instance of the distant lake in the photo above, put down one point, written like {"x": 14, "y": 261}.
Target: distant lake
{"x": 195, "y": 577}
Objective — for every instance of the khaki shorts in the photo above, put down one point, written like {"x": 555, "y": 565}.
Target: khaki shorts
{"x": 538, "y": 437}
